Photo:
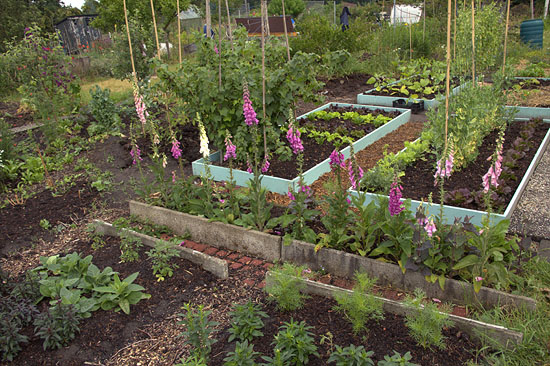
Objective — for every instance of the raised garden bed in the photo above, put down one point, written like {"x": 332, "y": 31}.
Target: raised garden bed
{"x": 464, "y": 183}
{"x": 531, "y": 99}
{"x": 475, "y": 329}
{"x": 386, "y": 97}
{"x": 320, "y": 165}
{"x": 335, "y": 262}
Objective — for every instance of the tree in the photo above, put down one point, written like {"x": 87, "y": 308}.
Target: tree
{"x": 15, "y": 15}
{"x": 111, "y": 13}
{"x": 90, "y": 6}
{"x": 292, "y": 7}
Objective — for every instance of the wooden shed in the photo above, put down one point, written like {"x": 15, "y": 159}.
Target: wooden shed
{"x": 76, "y": 33}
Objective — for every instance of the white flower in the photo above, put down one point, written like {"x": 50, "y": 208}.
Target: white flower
{"x": 204, "y": 140}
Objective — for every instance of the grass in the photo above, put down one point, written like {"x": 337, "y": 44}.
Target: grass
{"x": 120, "y": 89}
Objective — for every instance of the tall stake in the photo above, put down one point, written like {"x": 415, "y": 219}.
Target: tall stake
{"x": 156, "y": 33}
{"x": 506, "y": 35}
{"x": 424, "y": 19}
{"x": 454, "y": 33}
{"x": 208, "y": 19}
{"x": 473, "y": 44}
{"x": 229, "y": 24}
{"x": 286, "y": 31}
{"x": 410, "y": 42}
{"x": 129, "y": 42}
{"x": 263, "y": 10}
{"x": 219, "y": 44}
{"x": 448, "y": 80}
{"x": 179, "y": 29}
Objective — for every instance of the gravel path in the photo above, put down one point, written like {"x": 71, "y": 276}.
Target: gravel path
{"x": 532, "y": 215}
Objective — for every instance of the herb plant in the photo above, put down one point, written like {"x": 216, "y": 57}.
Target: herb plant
{"x": 104, "y": 111}
{"x": 297, "y": 339}
{"x": 361, "y": 305}
{"x": 397, "y": 360}
{"x": 246, "y": 322}
{"x": 58, "y": 326}
{"x": 286, "y": 287}
{"x": 161, "y": 255}
{"x": 193, "y": 360}
{"x": 119, "y": 295}
{"x": 427, "y": 321}
{"x": 280, "y": 358}
{"x": 351, "y": 356}
{"x": 243, "y": 355}
{"x": 129, "y": 247}
{"x": 198, "y": 329}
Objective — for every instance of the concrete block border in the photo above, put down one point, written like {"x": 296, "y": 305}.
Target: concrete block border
{"x": 346, "y": 264}
{"x": 217, "y": 234}
{"x": 270, "y": 247}
{"x": 474, "y": 328}
{"x": 218, "y": 267}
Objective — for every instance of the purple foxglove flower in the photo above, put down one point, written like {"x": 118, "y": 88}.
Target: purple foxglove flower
{"x": 307, "y": 190}
{"x": 293, "y": 137}
{"x": 248, "y": 111}
{"x": 265, "y": 167}
{"x": 135, "y": 153}
{"x": 395, "y": 206}
{"x": 248, "y": 167}
{"x": 337, "y": 159}
{"x": 176, "y": 149}
{"x": 430, "y": 228}
{"x": 479, "y": 279}
{"x": 291, "y": 196}
{"x": 230, "y": 149}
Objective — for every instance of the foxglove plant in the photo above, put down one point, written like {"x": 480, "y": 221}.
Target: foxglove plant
{"x": 444, "y": 170}
{"x": 141, "y": 109}
{"x": 299, "y": 212}
{"x": 176, "y": 149}
{"x": 229, "y": 209}
{"x": 337, "y": 204}
{"x": 259, "y": 214}
{"x": 395, "y": 206}
{"x": 490, "y": 179}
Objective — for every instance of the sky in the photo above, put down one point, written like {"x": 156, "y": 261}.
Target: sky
{"x": 74, "y": 3}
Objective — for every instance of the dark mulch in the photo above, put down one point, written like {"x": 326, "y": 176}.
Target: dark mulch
{"x": 346, "y": 85}
{"x": 416, "y": 177}
{"x": 20, "y": 224}
{"x": 383, "y": 337}
{"x": 106, "y": 332}
{"x": 14, "y": 117}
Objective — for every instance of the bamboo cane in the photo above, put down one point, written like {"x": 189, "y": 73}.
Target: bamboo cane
{"x": 454, "y": 33}
{"x": 506, "y": 35}
{"x": 229, "y": 24}
{"x": 263, "y": 12}
{"x": 473, "y": 44}
{"x": 179, "y": 29}
{"x": 448, "y": 80}
{"x": 155, "y": 26}
{"x": 410, "y": 42}
{"x": 286, "y": 31}
{"x": 208, "y": 19}
{"x": 219, "y": 44}
{"x": 424, "y": 19}
{"x": 129, "y": 42}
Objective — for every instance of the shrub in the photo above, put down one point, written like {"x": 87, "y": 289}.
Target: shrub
{"x": 243, "y": 355}
{"x": 104, "y": 111}
{"x": 292, "y": 7}
{"x": 318, "y": 35}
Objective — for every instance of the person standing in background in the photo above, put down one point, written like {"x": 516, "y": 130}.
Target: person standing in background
{"x": 344, "y": 18}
